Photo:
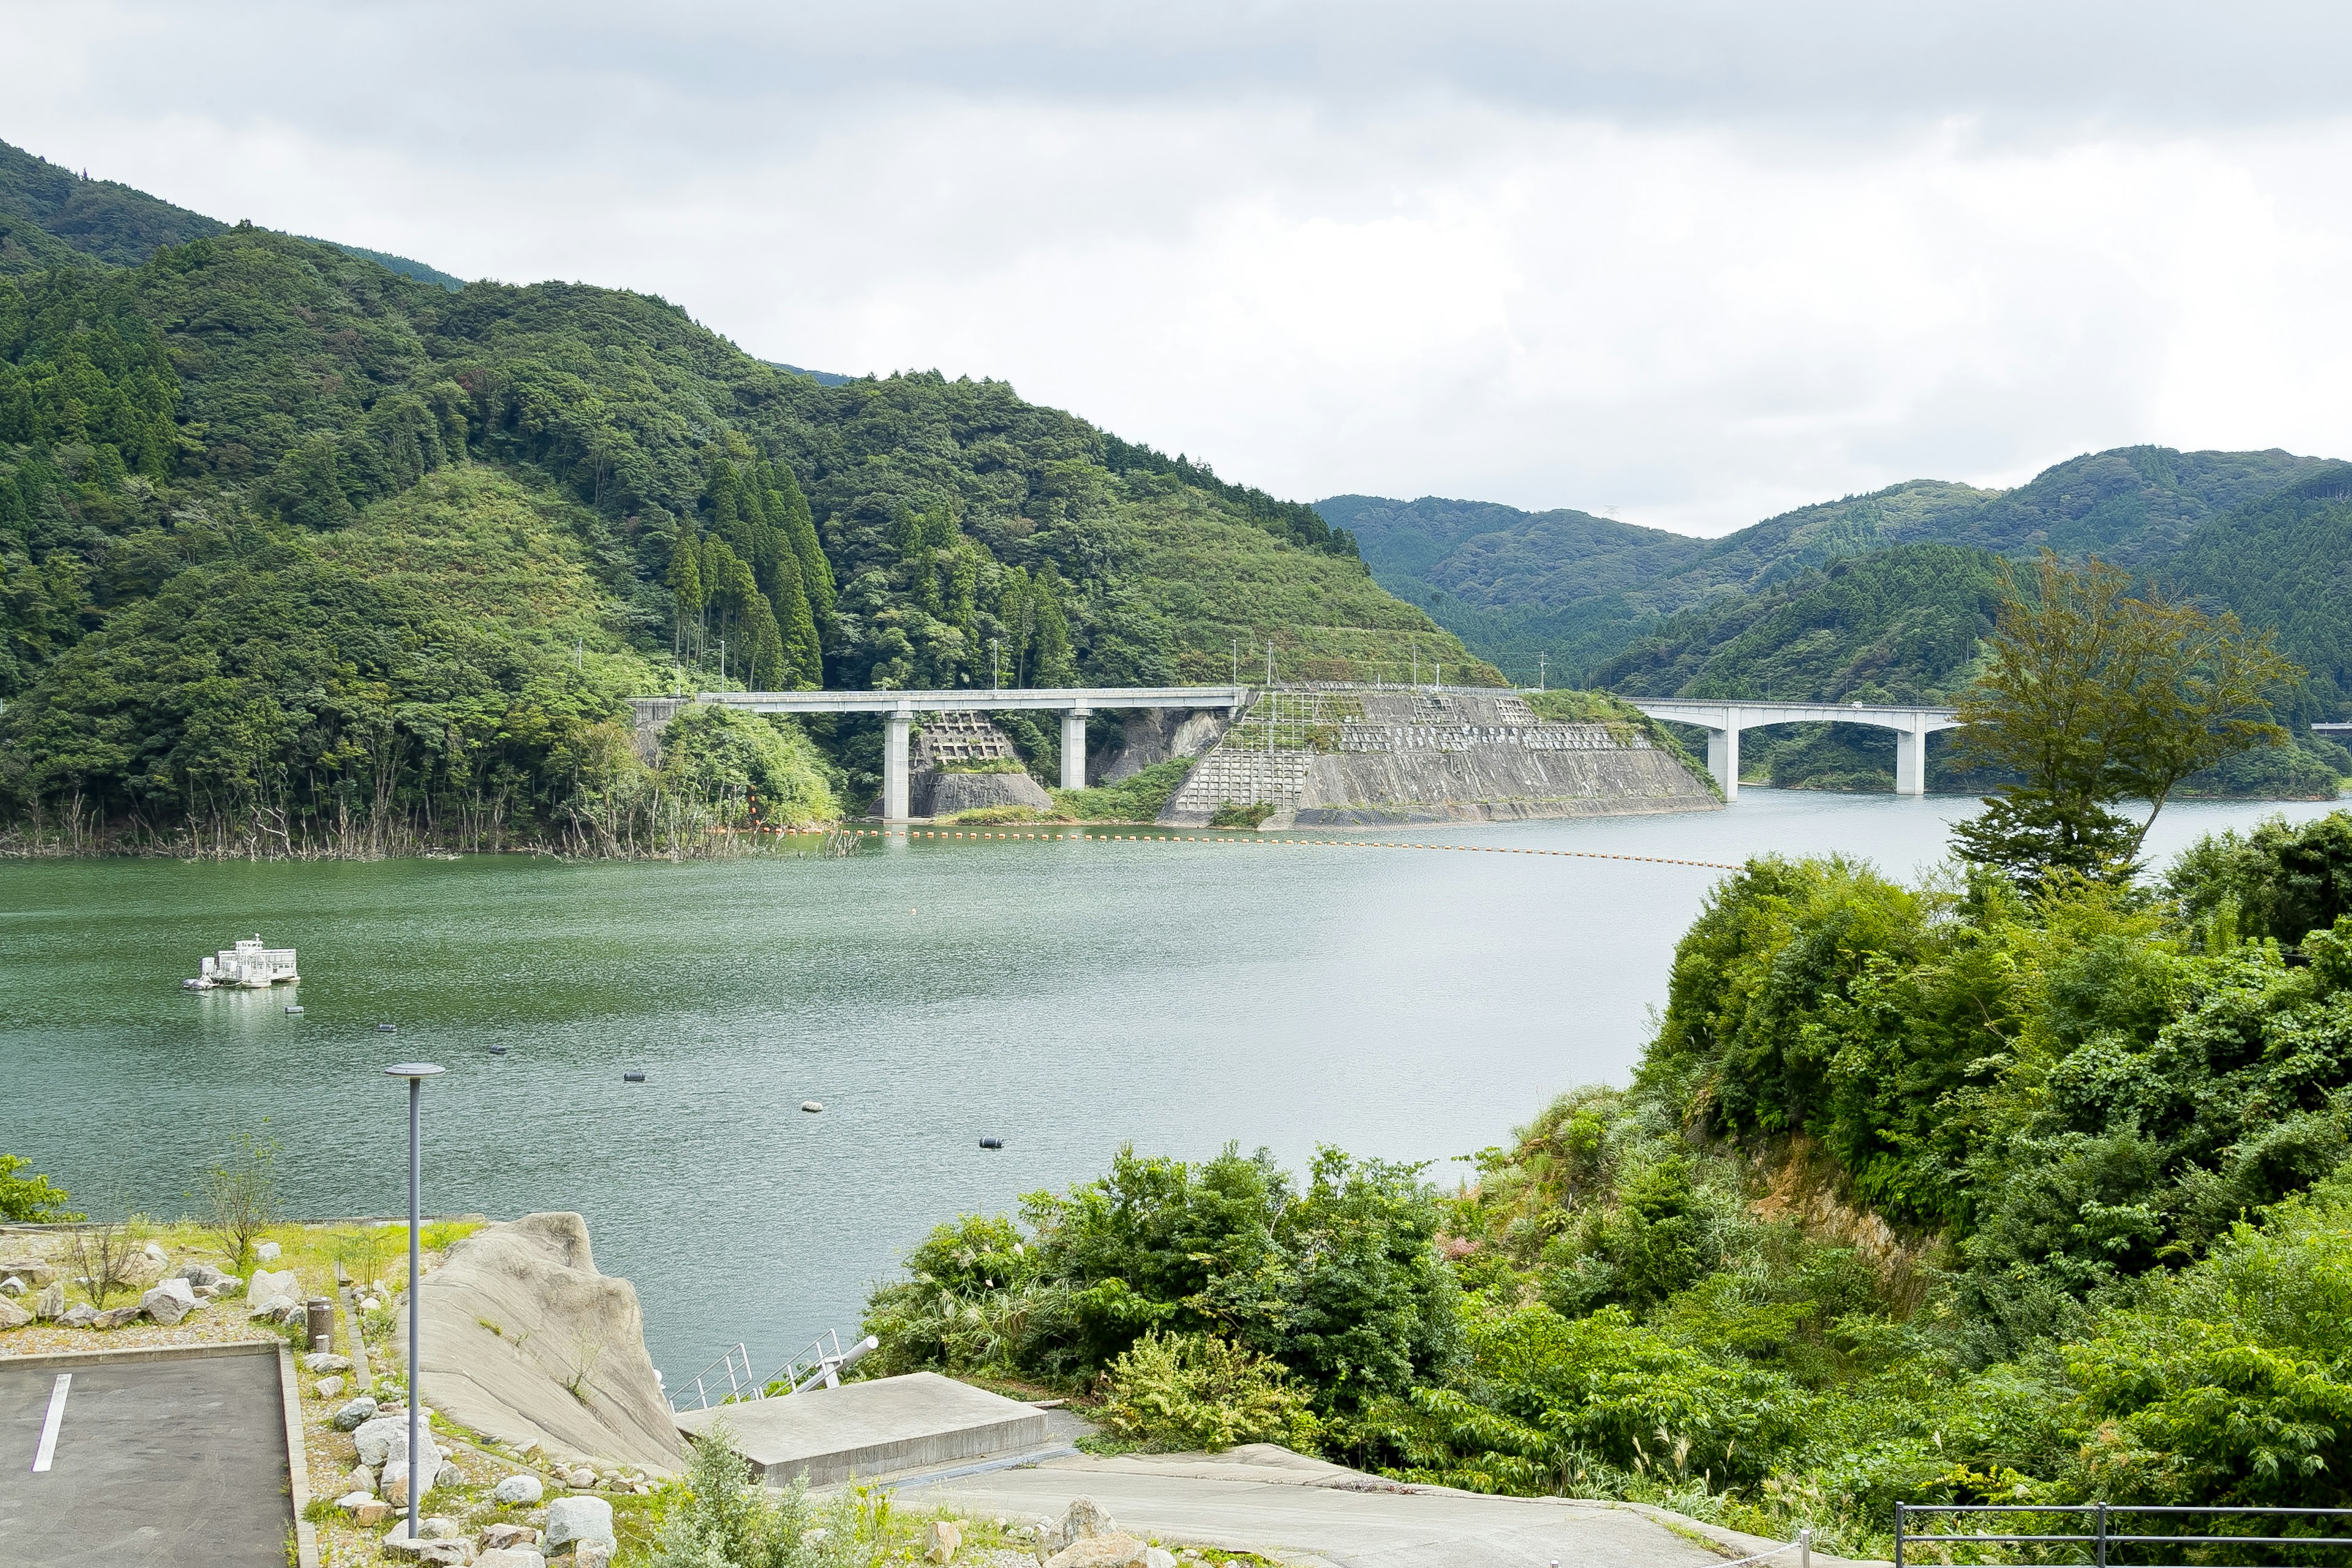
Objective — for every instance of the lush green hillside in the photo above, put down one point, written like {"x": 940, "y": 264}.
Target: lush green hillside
{"x": 1925, "y": 1194}
{"x": 254, "y": 420}
{"x": 51, "y": 216}
{"x": 1583, "y": 590}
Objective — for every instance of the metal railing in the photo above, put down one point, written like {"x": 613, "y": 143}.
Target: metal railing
{"x": 733, "y": 1367}
{"x": 823, "y": 1362}
{"x": 2102, "y": 1541}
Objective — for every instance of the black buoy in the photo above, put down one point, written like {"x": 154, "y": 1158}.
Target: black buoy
{"x": 498, "y": 1050}
{"x": 387, "y": 1028}
{"x": 991, "y": 1142}
{"x": 632, "y": 1077}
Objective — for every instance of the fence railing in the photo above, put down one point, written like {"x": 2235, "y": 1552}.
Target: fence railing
{"x": 723, "y": 1382}
{"x": 2105, "y": 1545}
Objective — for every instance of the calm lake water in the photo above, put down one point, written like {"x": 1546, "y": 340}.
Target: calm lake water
{"x": 1064, "y": 997}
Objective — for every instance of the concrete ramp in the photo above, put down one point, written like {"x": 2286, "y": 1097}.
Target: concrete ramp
{"x": 890, "y": 1426}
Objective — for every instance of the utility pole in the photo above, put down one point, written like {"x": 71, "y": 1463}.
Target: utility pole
{"x": 1237, "y": 661}
{"x": 1269, "y": 713}
{"x": 1416, "y": 664}
{"x": 1539, "y": 671}
{"x": 995, "y": 668}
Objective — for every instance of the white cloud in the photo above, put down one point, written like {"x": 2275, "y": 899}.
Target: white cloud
{"x": 1682, "y": 268}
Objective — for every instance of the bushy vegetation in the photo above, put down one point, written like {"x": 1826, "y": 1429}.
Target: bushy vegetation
{"x": 1199, "y": 1392}
{"x": 1336, "y": 1282}
{"x": 1929, "y": 1192}
{"x": 301, "y": 554}
{"x": 724, "y": 1521}
{"x": 1139, "y": 797}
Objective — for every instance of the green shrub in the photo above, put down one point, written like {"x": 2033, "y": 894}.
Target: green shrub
{"x": 725, "y": 1521}
{"x": 989, "y": 815}
{"x": 1139, "y": 797}
{"x": 1197, "y": 1391}
{"x": 1232, "y": 815}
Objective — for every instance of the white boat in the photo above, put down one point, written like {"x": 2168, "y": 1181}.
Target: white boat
{"x": 248, "y": 966}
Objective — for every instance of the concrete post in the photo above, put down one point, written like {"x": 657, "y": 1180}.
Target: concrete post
{"x": 1911, "y": 760}
{"x": 1073, "y": 747}
{"x": 1723, "y": 757}
{"x": 894, "y": 764}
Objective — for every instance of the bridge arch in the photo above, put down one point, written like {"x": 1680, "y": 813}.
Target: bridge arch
{"x": 1724, "y": 721}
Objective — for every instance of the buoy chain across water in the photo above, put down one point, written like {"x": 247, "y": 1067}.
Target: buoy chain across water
{"x": 913, "y": 833}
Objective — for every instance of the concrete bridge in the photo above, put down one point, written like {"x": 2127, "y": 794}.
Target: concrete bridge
{"x": 1075, "y": 704}
{"x": 1724, "y": 721}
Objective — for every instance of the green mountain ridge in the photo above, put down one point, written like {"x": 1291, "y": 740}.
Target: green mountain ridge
{"x": 1882, "y": 596}
{"x": 225, "y": 422}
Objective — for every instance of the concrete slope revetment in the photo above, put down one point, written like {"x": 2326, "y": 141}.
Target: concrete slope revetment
{"x": 1351, "y": 757}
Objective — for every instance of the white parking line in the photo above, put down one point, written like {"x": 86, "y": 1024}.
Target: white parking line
{"x": 49, "y": 1448}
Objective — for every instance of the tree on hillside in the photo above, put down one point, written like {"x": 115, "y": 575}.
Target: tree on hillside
{"x": 2092, "y": 697}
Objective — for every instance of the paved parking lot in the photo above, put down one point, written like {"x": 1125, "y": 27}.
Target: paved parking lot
{"x": 161, "y": 1462}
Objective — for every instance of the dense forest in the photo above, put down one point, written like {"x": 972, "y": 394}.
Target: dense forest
{"x": 1871, "y": 598}
{"x": 1932, "y": 1193}
{"x": 305, "y": 549}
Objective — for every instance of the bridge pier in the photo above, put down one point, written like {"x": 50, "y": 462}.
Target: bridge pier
{"x": 1722, "y": 761}
{"x": 1911, "y": 762}
{"x": 895, "y": 731}
{"x": 1073, "y": 747}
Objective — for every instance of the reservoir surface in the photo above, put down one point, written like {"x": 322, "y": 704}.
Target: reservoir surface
{"x": 1063, "y": 997}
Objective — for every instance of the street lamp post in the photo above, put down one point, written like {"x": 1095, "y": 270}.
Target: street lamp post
{"x": 416, "y": 1073}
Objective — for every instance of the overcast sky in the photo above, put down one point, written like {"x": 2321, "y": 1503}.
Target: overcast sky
{"x": 1690, "y": 263}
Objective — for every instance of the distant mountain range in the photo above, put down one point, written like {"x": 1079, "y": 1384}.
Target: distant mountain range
{"x": 1884, "y": 596}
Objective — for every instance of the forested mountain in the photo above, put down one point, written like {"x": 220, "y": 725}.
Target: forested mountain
{"x": 1582, "y": 588}
{"x": 1882, "y": 596}
{"x": 51, "y": 216}
{"x": 289, "y": 539}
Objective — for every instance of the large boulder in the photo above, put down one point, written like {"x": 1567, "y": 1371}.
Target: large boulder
{"x": 517, "y": 1318}
{"x": 12, "y": 1316}
{"x": 51, "y": 1303}
{"x": 268, "y": 1286}
{"x": 523, "y": 1488}
{"x": 1112, "y": 1551}
{"x": 383, "y": 1438}
{"x": 350, "y": 1417}
{"x": 169, "y": 1302}
{"x": 578, "y": 1518}
{"x": 35, "y": 1272}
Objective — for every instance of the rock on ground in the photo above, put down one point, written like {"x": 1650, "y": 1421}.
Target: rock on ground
{"x": 169, "y": 1302}
{"x": 12, "y": 1316}
{"x": 536, "y": 1278}
{"x": 355, "y": 1414}
{"x": 51, "y": 1303}
{"x": 1113, "y": 1551}
{"x": 578, "y": 1518}
{"x": 525, "y": 1490}
{"x": 267, "y": 1285}
{"x": 946, "y": 1539}
{"x": 321, "y": 1362}
{"x": 511, "y": 1557}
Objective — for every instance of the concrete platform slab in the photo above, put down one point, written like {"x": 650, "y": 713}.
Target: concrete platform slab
{"x": 162, "y": 1461}
{"x": 889, "y": 1426}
